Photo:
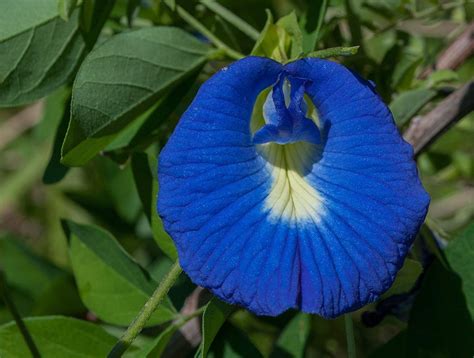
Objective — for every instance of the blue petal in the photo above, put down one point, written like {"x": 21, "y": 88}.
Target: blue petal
{"x": 322, "y": 226}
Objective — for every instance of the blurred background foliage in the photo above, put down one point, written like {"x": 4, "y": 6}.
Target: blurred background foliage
{"x": 56, "y": 267}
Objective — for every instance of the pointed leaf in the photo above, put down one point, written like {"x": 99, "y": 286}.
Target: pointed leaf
{"x": 121, "y": 79}
{"x": 111, "y": 283}
{"x": 40, "y": 51}
{"x": 214, "y": 317}
{"x": 57, "y": 337}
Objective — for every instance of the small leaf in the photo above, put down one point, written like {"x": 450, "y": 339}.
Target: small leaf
{"x": 281, "y": 41}
{"x": 111, "y": 283}
{"x": 214, "y": 317}
{"x": 405, "y": 279}
{"x": 57, "y": 337}
{"x": 312, "y": 22}
{"x": 292, "y": 340}
{"x": 233, "y": 343}
{"x": 408, "y": 103}
{"x": 158, "y": 346}
{"x": 121, "y": 79}
{"x": 66, "y": 7}
{"x": 40, "y": 51}
{"x": 405, "y": 69}
{"x": 144, "y": 168}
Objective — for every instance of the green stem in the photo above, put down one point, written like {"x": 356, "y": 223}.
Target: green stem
{"x": 193, "y": 22}
{"x": 351, "y": 346}
{"x": 16, "y": 316}
{"x": 332, "y": 52}
{"x": 142, "y": 318}
{"x": 230, "y": 17}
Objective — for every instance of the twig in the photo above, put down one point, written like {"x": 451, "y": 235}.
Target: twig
{"x": 17, "y": 317}
{"x": 424, "y": 129}
{"x": 456, "y": 53}
{"x": 150, "y": 306}
{"x": 189, "y": 336}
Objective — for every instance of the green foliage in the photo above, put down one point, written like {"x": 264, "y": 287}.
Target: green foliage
{"x": 110, "y": 282}
{"x": 292, "y": 341}
{"x": 214, "y": 316}
{"x": 114, "y": 77}
{"x": 40, "y": 51}
{"x": 57, "y": 337}
{"x": 122, "y": 78}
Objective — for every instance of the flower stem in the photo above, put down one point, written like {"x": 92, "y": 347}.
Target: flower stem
{"x": 351, "y": 347}
{"x": 16, "y": 316}
{"x": 150, "y": 306}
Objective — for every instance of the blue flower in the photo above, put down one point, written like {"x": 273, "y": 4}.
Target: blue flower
{"x": 312, "y": 204}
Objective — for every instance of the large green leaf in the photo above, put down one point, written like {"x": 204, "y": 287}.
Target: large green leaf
{"x": 440, "y": 324}
{"x": 144, "y": 171}
{"x": 57, "y": 337}
{"x": 111, "y": 283}
{"x": 40, "y": 51}
{"x": 121, "y": 79}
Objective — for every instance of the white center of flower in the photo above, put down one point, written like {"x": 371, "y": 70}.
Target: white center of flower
{"x": 291, "y": 196}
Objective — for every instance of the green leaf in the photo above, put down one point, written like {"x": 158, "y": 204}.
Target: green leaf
{"x": 281, "y": 41}
{"x": 158, "y": 346}
{"x": 233, "y": 343}
{"x": 144, "y": 169}
{"x": 57, "y": 337}
{"x": 55, "y": 171}
{"x": 145, "y": 130}
{"x": 440, "y": 324}
{"x": 459, "y": 255}
{"x": 312, "y": 22}
{"x": 94, "y": 14}
{"x": 122, "y": 78}
{"x": 405, "y": 279}
{"x": 292, "y": 340}
{"x": 47, "y": 288}
{"x": 408, "y": 103}
{"x": 66, "y": 7}
{"x": 214, "y": 317}
{"x": 405, "y": 69}
{"x": 111, "y": 283}
{"x": 40, "y": 51}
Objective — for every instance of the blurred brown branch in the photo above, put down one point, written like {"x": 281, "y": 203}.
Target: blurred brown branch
{"x": 424, "y": 129}
{"x": 19, "y": 123}
{"x": 456, "y": 53}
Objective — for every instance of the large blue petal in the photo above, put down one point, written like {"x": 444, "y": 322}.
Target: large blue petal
{"x": 321, "y": 227}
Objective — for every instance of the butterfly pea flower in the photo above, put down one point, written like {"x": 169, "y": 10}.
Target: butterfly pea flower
{"x": 289, "y": 186}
